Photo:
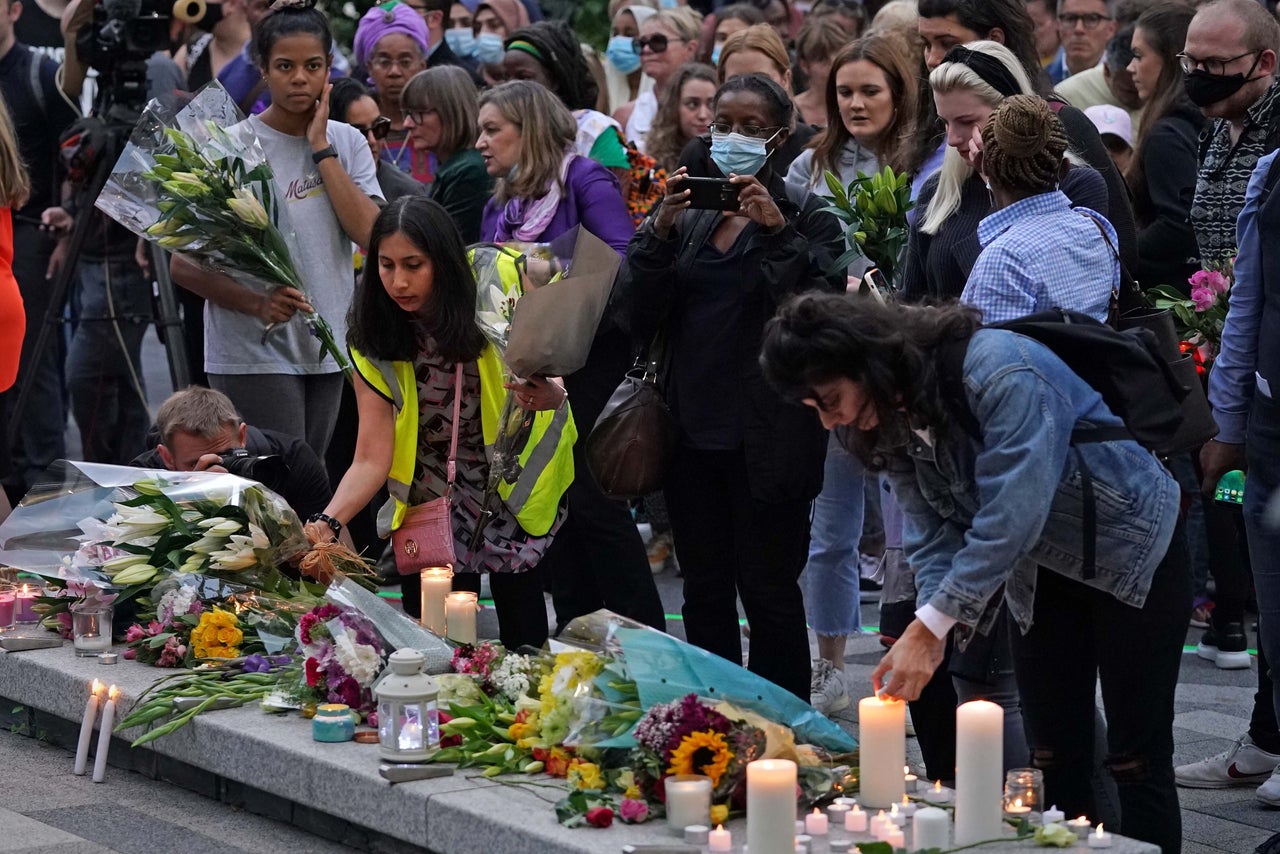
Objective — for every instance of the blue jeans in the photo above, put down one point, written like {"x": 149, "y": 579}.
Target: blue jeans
{"x": 1262, "y": 445}
{"x": 104, "y": 363}
{"x": 832, "y": 602}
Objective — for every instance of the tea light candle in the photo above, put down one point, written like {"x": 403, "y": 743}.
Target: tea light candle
{"x": 104, "y": 736}
{"x": 86, "y": 728}
{"x": 771, "y": 805}
{"x": 895, "y": 815}
{"x": 836, "y": 812}
{"x": 720, "y": 839}
{"x": 1100, "y": 839}
{"x": 460, "y": 616}
{"x": 804, "y": 842}
{"x": 1053, "y": 815}
{"x": 815, "y": 823}
{"x": 688, "y": 800}
{"x": 696, "y": 834}
{"x": 929, "y": 828}
{"x": 979, "y": 771}
{"x": 939, "y": 794}
{"x": 882, "y": 742}
{"x": 437, "y": 583}
{"x": 855, "y": 820}
{"x": 1017, "y": 808}
{"x": 879, "y": 824}
{"x": 896, "y": 838}
{"x": 909, "y": 780}
{"x": 26, "y": 603}
{"x": 1081, "y": 826}
{"x": 906, "y": 808}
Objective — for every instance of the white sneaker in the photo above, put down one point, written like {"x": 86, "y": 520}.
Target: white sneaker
{"x": 1269, "y": 792}
{"x": 828, "y": 692}
{"x": 1243, "y": 764}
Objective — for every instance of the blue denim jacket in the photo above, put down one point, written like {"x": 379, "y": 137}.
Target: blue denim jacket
{"x": 982, "y": 515}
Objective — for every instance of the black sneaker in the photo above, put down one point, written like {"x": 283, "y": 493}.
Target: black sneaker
{"x": 1227, "y": 649}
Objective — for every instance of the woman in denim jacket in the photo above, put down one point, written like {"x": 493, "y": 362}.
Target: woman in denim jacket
{"x": 1002, "y": 517}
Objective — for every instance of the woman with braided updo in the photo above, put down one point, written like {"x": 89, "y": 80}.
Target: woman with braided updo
{"x": 1038, "y": 252}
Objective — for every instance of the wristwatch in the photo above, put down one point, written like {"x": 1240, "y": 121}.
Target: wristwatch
{"x": 323, "y": 154}
{"x": 334, "y": 524}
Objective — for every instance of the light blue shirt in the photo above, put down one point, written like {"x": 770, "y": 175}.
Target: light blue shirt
{"x": 1038, "y": 254}
{"x": 1233, "y": 378}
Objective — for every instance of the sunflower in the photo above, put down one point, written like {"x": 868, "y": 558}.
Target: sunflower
{"x": 704, "y": 753}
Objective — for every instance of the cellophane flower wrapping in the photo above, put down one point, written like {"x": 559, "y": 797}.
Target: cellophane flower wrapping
{"x": 194, "y": 179}
{"x": 132, "y": 528}
{"x": 396, "y": 629}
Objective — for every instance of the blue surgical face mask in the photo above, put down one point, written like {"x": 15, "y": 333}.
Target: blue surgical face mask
{"x": 622, "y": 53}
{"x": 739, "y": 154}
{"x": 715, "y": 54}
{"x": 461, "y": 40}
{"x": 489, "y": 49}
{"x": 668, "y": 4}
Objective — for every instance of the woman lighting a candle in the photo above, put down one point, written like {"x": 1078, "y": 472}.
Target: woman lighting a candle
{"x": 997, "y": 505}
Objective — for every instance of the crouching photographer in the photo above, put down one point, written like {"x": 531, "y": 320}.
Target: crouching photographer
{"x": 198, "y": 429}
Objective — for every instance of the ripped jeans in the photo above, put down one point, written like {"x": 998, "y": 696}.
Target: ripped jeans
{"x": 1081, "y": 636}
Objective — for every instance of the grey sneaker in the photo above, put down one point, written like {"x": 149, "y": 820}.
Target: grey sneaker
{"x": 828, "y": 692}
{"x": 1243, "y": 764}
{"x": 1269, "y": 792}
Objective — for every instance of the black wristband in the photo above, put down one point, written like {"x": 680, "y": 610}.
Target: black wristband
{"x": 323, "y": 154}
{"x": 334, "y": 524}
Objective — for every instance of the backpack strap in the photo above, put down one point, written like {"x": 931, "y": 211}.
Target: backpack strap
{"x": 1129, "y": 286}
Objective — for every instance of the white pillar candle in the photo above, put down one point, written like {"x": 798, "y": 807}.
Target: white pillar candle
{"x": 104, "y": 736}
{"x": 86, "y": 728}
{"x": 1081, "y": 826}
{"x": 815, "y": 823}
{"x": 460, "y": 616}
{"x": 979, "y": 771}
{"x": 882, "y": 745}
{"x": 855, "y": 820}
{"x": 896, "y": 838}
{"x": 720, "y": 839}
{"x": 929, "y": 828}
{"x": 437, "y": 583}
{"x": 688, "y": 800}
{"x": 1100, "y": 838}
{"x": 771, "y": 805}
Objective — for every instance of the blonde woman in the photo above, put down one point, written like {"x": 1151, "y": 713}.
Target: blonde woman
{"x": 667, "y": 41}
{"x": 14, "y": 189}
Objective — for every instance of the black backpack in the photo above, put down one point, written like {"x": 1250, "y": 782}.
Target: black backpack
{"x": 1126, "y": 368}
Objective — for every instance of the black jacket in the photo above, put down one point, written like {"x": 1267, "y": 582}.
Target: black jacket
{"x": 1167, "y": 249}
{"x": 307, "y": 488}
{"x": 785, "y": 443}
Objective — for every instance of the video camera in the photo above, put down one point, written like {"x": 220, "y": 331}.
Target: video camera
{"x": 122, "y": 37}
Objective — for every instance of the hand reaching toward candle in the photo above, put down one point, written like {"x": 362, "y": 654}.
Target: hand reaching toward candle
{"x": 910, "y": 663}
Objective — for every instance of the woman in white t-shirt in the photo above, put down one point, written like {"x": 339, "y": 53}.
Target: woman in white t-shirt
{"x": 326, "y": 181}
{"x": 667, "y": 41}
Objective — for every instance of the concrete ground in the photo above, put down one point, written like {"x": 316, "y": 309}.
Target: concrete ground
{"x": 46, "y": 810}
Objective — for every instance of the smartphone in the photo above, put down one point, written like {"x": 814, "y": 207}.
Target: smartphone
{"x": 711, "y": 194}
{"x": 1230, "y": 488}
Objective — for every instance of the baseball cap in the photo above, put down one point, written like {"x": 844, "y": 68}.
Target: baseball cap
{"x": 1112, "y": 120}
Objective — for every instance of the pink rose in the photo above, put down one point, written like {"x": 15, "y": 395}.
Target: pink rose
{"x": 1199, "y": 279}
{"x": 633, "y": 811}
{"x": 1203, "y": 298}
{"x": 1218, "y": 283}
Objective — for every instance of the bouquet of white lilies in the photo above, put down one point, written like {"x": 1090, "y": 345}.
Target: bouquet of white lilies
{"x": 196, "y": 181}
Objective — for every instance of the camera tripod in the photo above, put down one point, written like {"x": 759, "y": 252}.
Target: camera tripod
{"x": 119, "y": 120}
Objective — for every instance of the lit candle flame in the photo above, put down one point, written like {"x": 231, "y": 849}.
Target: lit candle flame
{"x": 95, "y": 687}
{"x": 905, "y": 800}
{"x": 1099, "y": 833}
{"x": 893, "y": 809}
{"x": 906, "y": 769}
{"x": 719, "y": 828}
{"x": 881, "y": 815}
{"x": 1017, "y": 802}
{"x": 111, "y": 692}
{"x": 26, "y": 588}
{"x": 937, "y": 786}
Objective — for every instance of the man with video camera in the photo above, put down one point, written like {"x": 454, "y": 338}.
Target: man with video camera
{"x": 198, "y": 429}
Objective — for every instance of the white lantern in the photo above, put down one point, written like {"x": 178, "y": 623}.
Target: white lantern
{"x": 408, "y": 717}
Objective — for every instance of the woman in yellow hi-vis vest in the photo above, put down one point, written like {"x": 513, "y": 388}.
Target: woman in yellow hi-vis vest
{"x": 412, "y": 324}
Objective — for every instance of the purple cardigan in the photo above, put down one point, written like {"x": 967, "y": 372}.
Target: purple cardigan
{"x": 592, "y": 198}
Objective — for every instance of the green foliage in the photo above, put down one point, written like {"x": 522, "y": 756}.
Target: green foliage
{"x": 874, "y": 211}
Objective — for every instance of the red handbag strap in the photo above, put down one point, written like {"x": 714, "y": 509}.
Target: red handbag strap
{"x": 457, "y": 416}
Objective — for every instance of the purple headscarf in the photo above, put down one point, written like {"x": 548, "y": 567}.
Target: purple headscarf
{"x": 383, "y": 20}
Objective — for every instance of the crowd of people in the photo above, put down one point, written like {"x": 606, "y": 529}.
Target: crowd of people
{"x": 1056, "y": 150}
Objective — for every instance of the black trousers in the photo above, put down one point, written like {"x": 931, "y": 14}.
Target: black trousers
{"x": 1080, "y": 636}
{"x": 732, "y": 546}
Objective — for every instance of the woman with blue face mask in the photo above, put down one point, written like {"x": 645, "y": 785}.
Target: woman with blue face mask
{"x": 494, "y": 22}
{"x": 667, "y": 41}
{"x": 624, "y": 79}
{"x": 748, "y": 463}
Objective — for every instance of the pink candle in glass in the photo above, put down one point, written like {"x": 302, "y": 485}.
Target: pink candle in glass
{"x": 26, "y": 605}
{"x": 7, "y": 605}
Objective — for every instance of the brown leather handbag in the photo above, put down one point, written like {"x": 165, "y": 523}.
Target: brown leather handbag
{"x": 631, "y": 445}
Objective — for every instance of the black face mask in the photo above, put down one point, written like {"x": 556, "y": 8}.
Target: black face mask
{"x": 1204, "y": 88}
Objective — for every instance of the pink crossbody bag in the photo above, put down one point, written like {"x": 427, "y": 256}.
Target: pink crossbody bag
{"x": 425, "y": 536}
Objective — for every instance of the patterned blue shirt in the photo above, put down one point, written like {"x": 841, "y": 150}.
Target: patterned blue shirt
{"x": 1040, "y": 253}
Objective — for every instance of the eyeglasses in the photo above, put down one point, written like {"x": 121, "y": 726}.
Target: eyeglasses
{"x": 405, "y": 63}
{"x": 380, "y": 128}
{"x": 420, "y": 115}
{"x": 1090, "y": 21}
{"x": 1216, "y": 67}
{"x": 656, "y": 43}
{"x": 747, "y": 130}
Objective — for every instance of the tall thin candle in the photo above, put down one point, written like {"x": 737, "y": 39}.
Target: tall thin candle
{"x": 979, "y": 771}
{"x": 86, "y": 728}
{"x": 104, "y": 736}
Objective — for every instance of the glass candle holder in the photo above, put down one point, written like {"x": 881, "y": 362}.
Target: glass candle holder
{"x": 1024, "y": 793}
{"x": 91, "y": 630}
{"x": 8, "y": 605}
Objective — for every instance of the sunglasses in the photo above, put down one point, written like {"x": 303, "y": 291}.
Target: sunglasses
{"x": 657, "y": 43}
{"x": 380, "y": 128}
